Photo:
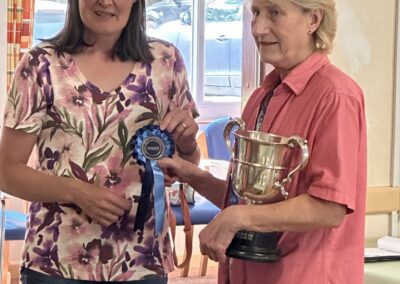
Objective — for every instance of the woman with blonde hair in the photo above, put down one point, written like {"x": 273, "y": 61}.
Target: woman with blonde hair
{"x": 84, "y": 98}
{"x": 322, "y": 221}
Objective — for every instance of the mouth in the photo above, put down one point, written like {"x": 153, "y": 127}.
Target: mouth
{"x": 268, "y": 43}
{"x": 104, "y": 14}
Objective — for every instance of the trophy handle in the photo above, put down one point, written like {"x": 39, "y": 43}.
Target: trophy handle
{"x": 228, "y": 128}
{"x": 294, "y": 141}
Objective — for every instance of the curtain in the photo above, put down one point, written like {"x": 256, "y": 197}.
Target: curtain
{"x": 20, "y": 15}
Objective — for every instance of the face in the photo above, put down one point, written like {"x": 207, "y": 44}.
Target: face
{"x": 283, "y": 32}
{"x": 105, "y": 17}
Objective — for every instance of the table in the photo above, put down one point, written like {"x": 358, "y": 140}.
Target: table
{"x": 383, "y": 272}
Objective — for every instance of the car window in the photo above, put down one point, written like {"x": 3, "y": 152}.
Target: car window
{"x": 49, "y": 18}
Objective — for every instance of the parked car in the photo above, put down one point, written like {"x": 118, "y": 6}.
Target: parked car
{"x": 165, "y": 11}
{"x": 49, "y": 19}
{"x": 223, "y": 45}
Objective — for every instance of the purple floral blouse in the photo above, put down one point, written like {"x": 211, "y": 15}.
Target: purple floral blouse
{"x": 83, "y": 133}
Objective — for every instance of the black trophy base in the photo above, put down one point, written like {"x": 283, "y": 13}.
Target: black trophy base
{"x": 255, "y": 246}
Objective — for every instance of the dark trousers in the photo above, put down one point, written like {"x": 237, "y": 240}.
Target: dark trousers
{"x": 32, "y": 277}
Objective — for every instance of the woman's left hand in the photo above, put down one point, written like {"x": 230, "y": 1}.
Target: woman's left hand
{"x": 180, "y": 123}
{"x": 218, "y": 234}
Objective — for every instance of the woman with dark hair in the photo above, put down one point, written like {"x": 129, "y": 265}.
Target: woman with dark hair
{"x": 132, "y": 44}
{"x": 77, "y": 99}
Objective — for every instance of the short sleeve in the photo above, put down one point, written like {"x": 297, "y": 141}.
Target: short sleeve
{"x": 334, "y": 166}
{"x": 180, "y": 85}
{"x": 25, "y": 107}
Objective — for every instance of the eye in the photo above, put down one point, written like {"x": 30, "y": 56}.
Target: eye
{"x": 255, "y": 12}
{"x": 273, "y": 12}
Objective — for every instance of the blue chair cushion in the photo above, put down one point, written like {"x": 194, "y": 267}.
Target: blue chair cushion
{"x": 201, "y": 212}
{"x": 15, "y": 225}
{"x": 216, "y": 146}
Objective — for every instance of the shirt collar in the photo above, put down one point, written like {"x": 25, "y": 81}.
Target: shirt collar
{"x": 297, "y": 78}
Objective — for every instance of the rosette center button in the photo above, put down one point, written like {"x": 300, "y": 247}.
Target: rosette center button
{"x": 153, "y": 148}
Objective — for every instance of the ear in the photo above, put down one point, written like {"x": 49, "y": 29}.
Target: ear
{"x": 315, "y": 19}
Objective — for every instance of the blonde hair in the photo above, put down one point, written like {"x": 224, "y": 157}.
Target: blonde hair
{"x": 325, "y": 34}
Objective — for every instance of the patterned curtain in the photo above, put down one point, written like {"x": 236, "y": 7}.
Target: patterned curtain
{"x": 19, "y": 32}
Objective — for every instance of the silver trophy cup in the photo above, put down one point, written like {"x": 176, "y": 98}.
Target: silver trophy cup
{"x": 262, "y": 165}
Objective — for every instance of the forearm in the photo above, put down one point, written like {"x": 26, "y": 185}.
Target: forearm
{"x": 193, "y": 157}
{"x": 29, "y": 184}
{"x": 209, "y": 186}
{"x": 301, "y": 213}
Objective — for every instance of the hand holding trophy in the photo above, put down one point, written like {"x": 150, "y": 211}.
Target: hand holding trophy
{"x": 260, "y": 170}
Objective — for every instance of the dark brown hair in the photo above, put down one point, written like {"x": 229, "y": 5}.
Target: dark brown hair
{"x": 131, "y": 45}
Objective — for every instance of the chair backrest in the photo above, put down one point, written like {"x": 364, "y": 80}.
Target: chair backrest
{"x": 15, "y": 225}
{"x": 216, "y": 146}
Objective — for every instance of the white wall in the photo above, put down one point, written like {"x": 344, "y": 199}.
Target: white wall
{"x": 365, "y": 49}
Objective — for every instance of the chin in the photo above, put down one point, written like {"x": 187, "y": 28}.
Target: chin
{"x": 269, "y": 60}
{"x": 111, "y": 33}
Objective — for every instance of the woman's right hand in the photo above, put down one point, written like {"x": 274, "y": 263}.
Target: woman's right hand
{"x": 100, "y": 204}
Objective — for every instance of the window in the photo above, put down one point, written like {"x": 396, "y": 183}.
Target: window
{"x": 212, "y": 48}
{"x": 49, "y": 18}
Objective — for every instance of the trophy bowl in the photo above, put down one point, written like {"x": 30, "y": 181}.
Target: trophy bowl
{"x": 262, "y": 165}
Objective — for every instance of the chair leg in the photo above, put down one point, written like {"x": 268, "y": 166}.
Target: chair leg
{"x": 203, "y": 265}
{"x": 185, "y": 270}
{"x": 6, "y": 262}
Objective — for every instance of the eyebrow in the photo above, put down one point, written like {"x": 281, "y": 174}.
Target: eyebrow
{"x": 269, "y": 4}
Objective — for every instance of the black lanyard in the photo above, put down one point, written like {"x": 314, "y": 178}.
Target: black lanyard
{"x": 263, "y": 110}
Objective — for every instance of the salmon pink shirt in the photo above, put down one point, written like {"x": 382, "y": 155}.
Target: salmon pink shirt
{"x": 323, "y": 105}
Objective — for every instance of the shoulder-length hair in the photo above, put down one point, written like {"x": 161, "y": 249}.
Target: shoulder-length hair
{"x": 132, "y": 44}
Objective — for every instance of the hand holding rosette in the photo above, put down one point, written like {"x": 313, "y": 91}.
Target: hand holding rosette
{"x": 180, "y": 123}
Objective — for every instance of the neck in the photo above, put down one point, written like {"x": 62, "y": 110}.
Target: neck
{"x": 100, "y": 44}
{"x": 283, "y": 72}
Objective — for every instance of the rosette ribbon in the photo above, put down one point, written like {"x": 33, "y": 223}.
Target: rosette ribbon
{"x": 148, "y": 145}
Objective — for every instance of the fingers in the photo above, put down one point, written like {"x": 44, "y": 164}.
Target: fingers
{"x": 175, "y": 119}
{"x": 106, "y": 219}
{"x": 168, "y": 180}
{"x": 170, "y": 170}
{"x": 122, "y": 203}
{"x": 217, "y": 235}
{"x": 212, "y": 248}
{"x": 176, "y": 169}
{"x": 180, "y": 123}
{"x": 102, "y": 205}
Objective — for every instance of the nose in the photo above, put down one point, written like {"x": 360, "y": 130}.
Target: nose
{"x": 105, "y": 2}
{"x": 260, "y": 26}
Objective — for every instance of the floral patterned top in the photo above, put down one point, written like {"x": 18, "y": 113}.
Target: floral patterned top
{"x": 83, "y": 133}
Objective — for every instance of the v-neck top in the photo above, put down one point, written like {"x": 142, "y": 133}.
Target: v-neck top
{"x": 326, "y": 107}
{"x": 90, "y": 84}
{"x": 84, "y": 133}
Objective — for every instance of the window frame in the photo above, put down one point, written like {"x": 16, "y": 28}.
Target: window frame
{"x": 210, "y": 110}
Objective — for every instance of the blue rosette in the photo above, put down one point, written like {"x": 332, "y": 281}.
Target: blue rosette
{"x": 148, "y": 145}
